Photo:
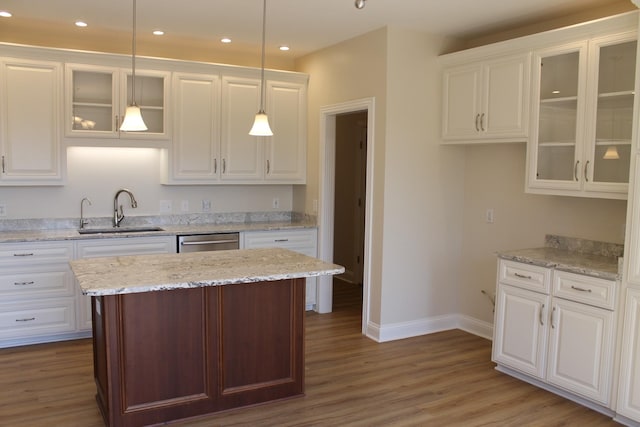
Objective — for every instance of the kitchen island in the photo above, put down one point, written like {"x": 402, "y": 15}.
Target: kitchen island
{"x": 183, "y": 335}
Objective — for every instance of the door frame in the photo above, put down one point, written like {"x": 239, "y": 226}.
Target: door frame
{"x": 326, "y": 206}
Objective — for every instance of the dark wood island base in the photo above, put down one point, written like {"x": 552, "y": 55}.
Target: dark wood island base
{"x": 167, "y": 355}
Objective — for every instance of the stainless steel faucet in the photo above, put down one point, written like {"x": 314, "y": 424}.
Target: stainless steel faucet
{"x": 83, "y": 221}
{"x": 118, "y": 214}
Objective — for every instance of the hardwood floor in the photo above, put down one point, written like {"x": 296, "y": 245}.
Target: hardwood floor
{"x": 443, "y": 379}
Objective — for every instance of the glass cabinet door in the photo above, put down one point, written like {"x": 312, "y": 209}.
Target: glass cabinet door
{"x": 150, "y": 97}
{"x": 93, "y": 102}
{"x": 558, "y": 117}
{"x": 610, "y": 144}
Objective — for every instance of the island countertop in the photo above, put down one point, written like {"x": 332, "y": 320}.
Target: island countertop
{"x": 148, "y": 273}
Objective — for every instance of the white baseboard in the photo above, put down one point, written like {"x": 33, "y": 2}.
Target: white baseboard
{"x": 398, "y": 331}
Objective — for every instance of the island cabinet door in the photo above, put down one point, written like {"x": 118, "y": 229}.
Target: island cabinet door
{"x": 153, "y": 359}
{"x": 261, "y": 341}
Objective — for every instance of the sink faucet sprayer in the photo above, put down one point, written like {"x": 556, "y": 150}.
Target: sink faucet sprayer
{"x": 83, "y": 221}
{"x": 118, "y": 215}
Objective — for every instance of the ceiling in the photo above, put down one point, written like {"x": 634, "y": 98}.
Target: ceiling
{"x": 304, "y": 25}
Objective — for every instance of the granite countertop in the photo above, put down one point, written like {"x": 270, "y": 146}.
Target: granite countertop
{"x": 158, "y": 272}
{"x": 45, "y": 234}
{"x": 574, "y": 255}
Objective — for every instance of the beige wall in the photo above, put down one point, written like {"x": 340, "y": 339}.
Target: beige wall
{"x": 354, "y": 69}
{"x": 494, "y": 178}
{"x": 417, "y": 185}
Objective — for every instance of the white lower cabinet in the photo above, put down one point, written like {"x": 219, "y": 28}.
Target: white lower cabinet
{"x": 552, "y": 335}
{"x": 117, "y": 247}
{"x": 629, "y": 387}
{"x": 37, "y": 293}
{"x": 304, "y": 241}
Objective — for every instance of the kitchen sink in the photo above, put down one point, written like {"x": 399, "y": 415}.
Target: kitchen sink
{"x": 118, "y": 230}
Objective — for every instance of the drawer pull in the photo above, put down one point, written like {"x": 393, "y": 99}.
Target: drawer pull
{"x": 580, "y": 289}
{"x": 23, "y": 283}
{"x": 522, "y": 276}
{"x": 281, "y": 240}
{"x": 27, "y": 319}
{"x": 24, "y": 254}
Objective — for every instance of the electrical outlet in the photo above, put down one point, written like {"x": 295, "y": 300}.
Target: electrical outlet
{"x": 165, "y": 206}
{"x": 184, "y": 206}
{"x": 276, "y": 203}
{"x": 3, "y": 209}
{"x": 489, "y": 216}
{"x": 206, "y": 206}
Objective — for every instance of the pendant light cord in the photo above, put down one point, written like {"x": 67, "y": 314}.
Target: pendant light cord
{"x": 264, "y": 26}
{"x": 133, "y": 58}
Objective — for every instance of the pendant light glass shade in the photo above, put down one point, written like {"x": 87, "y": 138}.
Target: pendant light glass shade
{"x": 261, "y": 123}
{"x": 611, "y": 153}
{"x": 133, "y": 121}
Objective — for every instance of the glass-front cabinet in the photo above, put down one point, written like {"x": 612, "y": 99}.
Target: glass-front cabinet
{"x": 97, "y": 98}
{"x": 582, "y": 118}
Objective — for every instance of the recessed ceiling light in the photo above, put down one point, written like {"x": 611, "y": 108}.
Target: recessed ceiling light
{"x": 225, "y": 40}
{"x": 5, "y": 14}
{"x": 284, "y": 48}
{"x": 555, "y": 92}
{"x": 81, "y": 24}
{"x": 158, "y": 33}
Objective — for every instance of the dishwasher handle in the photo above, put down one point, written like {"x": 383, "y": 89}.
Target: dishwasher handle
{"x": 208, "y": 242}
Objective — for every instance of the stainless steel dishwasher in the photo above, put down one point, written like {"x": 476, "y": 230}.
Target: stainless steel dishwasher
{"x": 208, "y": 242}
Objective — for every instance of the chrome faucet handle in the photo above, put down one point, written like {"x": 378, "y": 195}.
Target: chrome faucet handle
{"x": 83, "y": 221}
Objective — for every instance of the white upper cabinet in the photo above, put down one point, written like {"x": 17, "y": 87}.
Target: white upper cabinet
{"x": 30, "y": 104}
{"x": 582, "y": 111}
{"x": 242, "y": 154}
{"x": 194, "y": 155}
{"x": 487, "y": 101}
{"x": 97, "y": 97}
{"x": 285, "y": 153}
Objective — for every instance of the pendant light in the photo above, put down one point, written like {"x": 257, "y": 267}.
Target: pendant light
{"x": 611, "y": 153}
{"x": 133, "y": 121}
{"x": 261, "y": 123}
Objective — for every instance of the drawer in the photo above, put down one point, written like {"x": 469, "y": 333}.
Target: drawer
{"x": 37, "y": 318}
{"x": 25, "y": 253}
{"x": 303, "y": 241}
{"x": 525, "y": 276}
{"x": 37, "y": 282}
{"x": 584, "y": 289}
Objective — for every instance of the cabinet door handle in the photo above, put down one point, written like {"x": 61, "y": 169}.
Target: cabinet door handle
{"x": 586, "y": 171}
{"x": 575, "y": 170}
{"x": 23, "y": 283}
{"x": 224, "y": 165}
{"x": 215, "y": 165}
{"x": 3, "y": 171}
{"x": 580, "y": 289}
{"x": 552, "y": 313}
{"x": 482, "y": 122}
{"x": 116, "y": 122}
{"x": 268, "y": 167}
{"x": 477, "y": 118}
{"x": 540, "y": 316}
{"x": 522, "y": 276}
{"x": 27, "y": 319}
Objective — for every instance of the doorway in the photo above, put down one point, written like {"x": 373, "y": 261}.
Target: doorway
{"x": 349, "y": 202}
{"x": 326, "y": 202}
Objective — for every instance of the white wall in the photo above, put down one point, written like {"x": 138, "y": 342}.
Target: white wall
{"x": 423, "y": 187}
{"x": 417, "y": 185}
{"x": 98, "y": 173}
{"x": 494, "y": 178}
